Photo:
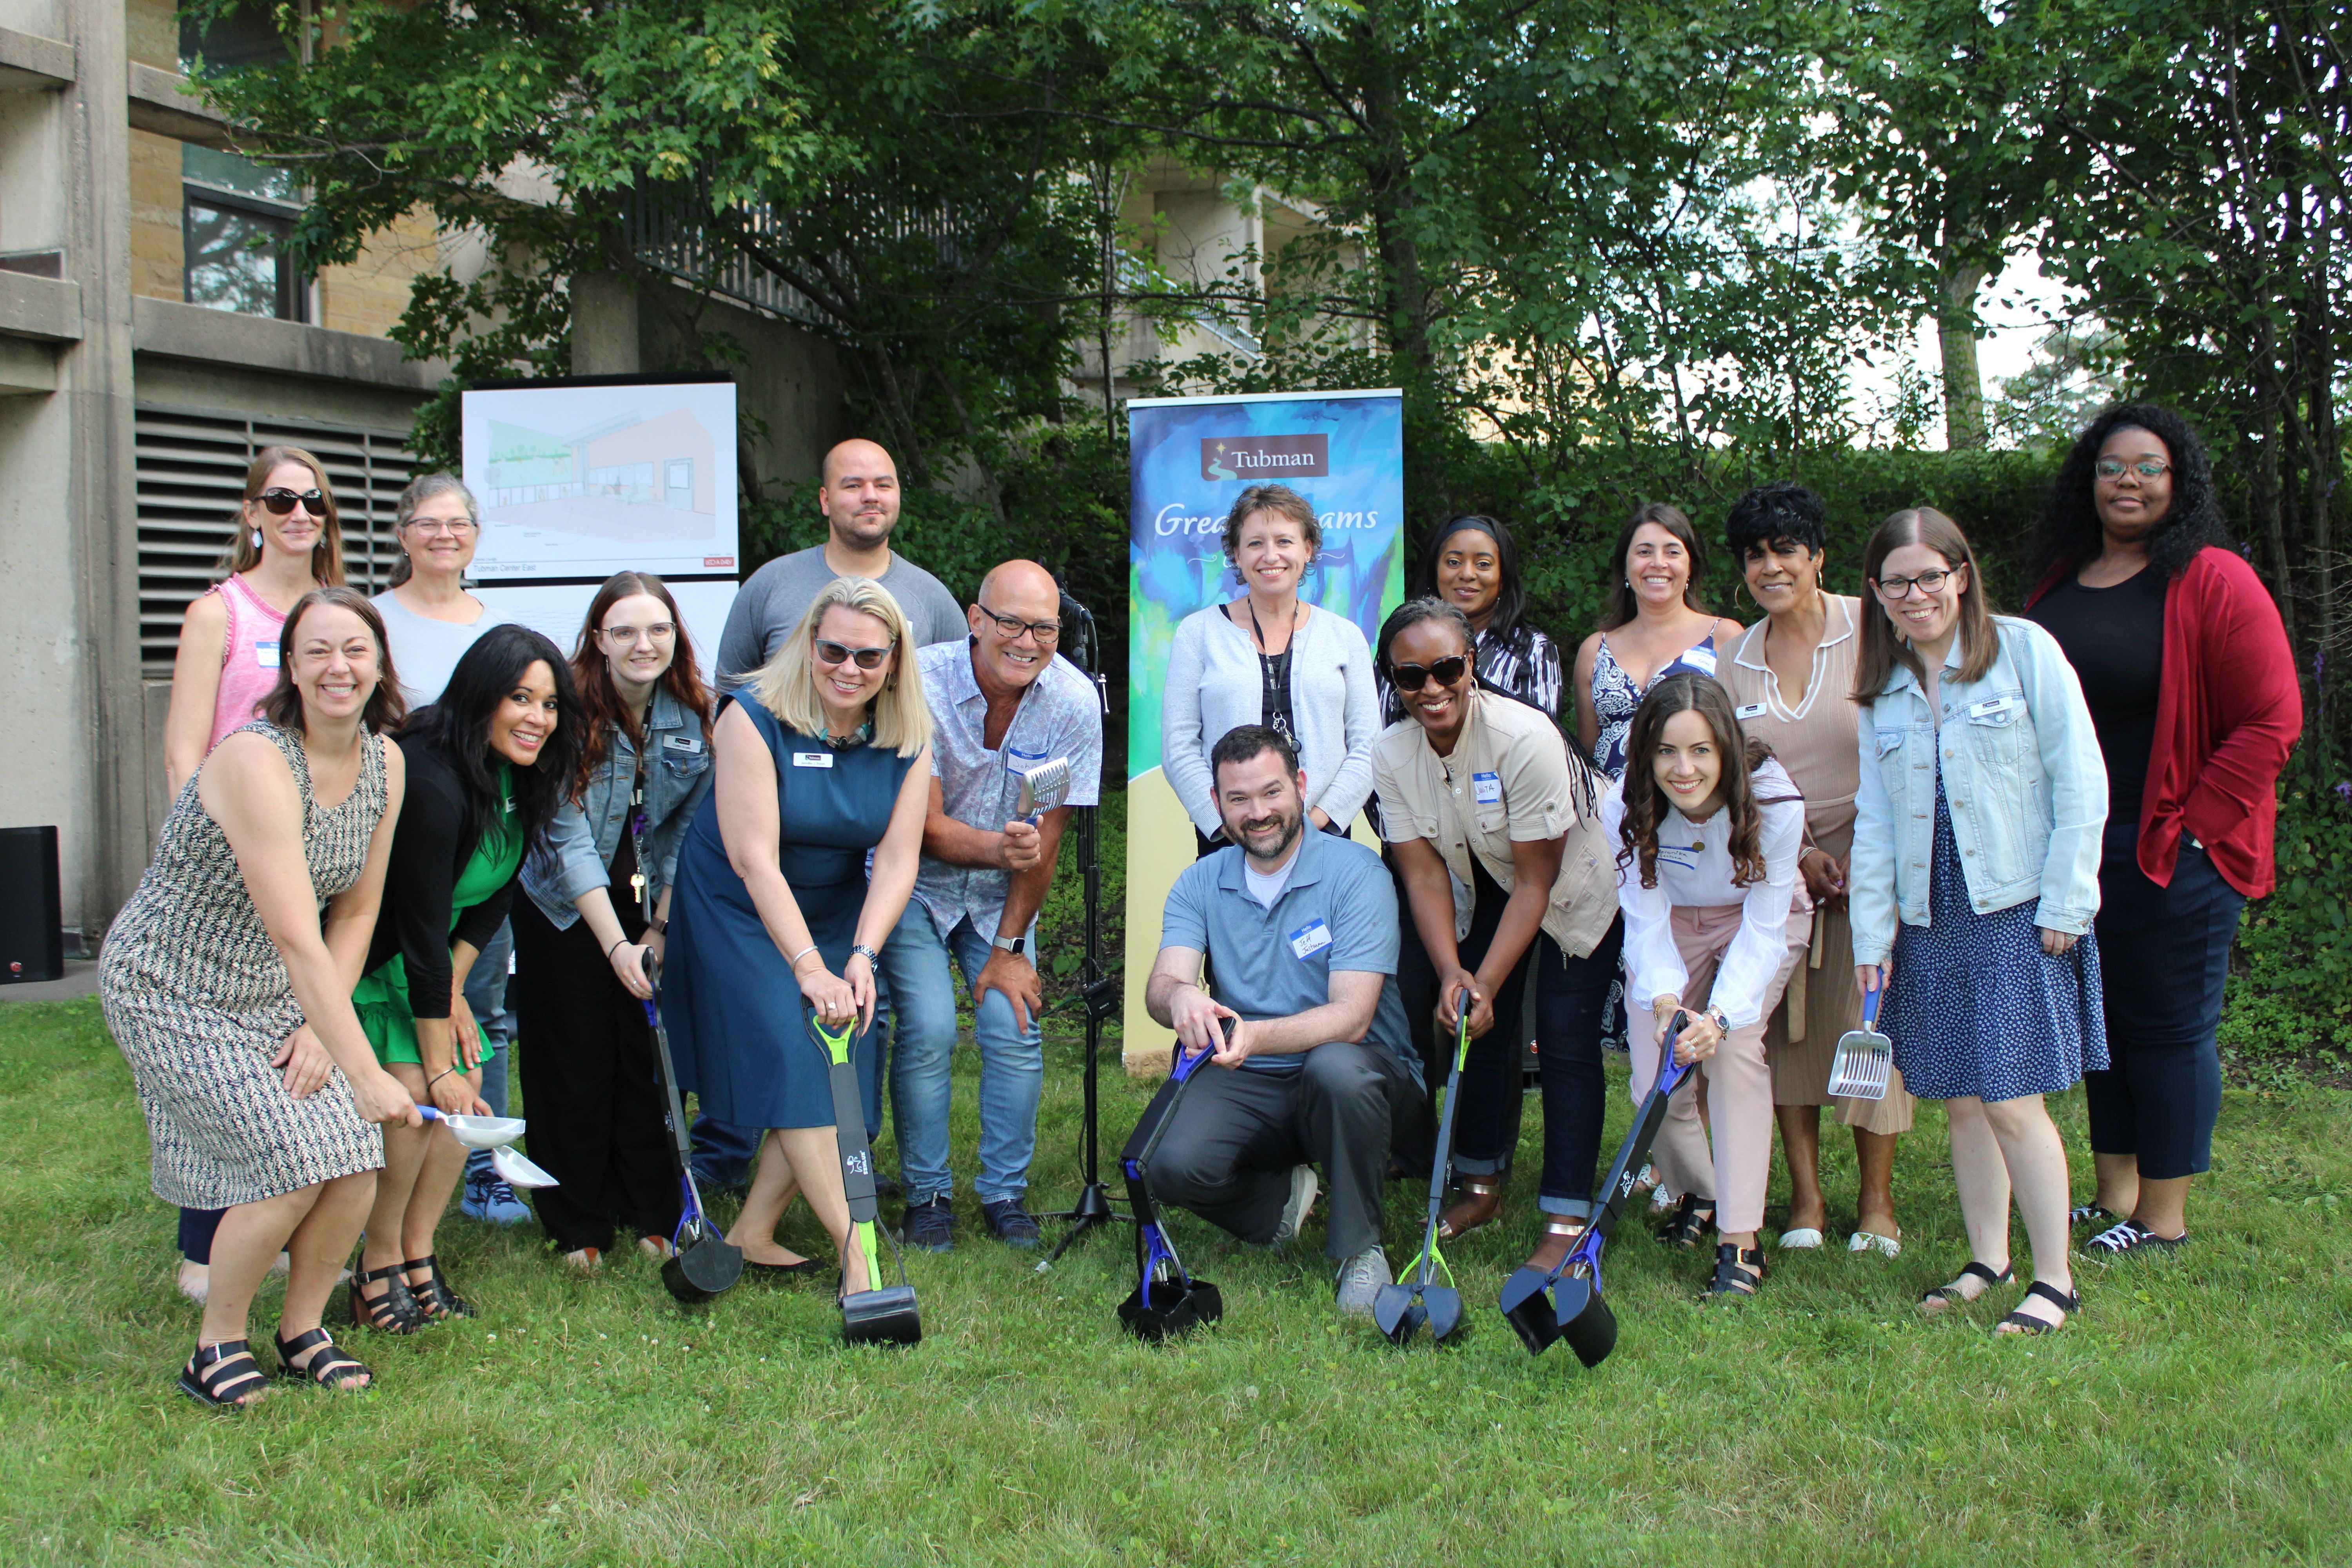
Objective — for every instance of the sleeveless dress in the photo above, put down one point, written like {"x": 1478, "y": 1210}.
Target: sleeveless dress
{"x": 1615, "y": 697}
{"x": 199, "y": 1000}
{"x": 737, "y": 1023}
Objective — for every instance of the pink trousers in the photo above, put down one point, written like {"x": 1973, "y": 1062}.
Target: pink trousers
{"x": 1739, "y": 1082}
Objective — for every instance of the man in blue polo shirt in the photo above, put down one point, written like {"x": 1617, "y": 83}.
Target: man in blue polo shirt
{"x": 1300, "y": 931}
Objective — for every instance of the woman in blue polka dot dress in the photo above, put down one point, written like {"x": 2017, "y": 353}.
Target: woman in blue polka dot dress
{"x": 1973, "y": 884}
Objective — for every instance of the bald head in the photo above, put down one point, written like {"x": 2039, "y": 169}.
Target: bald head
{"x": 1022, "y": 595}
{"x": 860, "y": 496}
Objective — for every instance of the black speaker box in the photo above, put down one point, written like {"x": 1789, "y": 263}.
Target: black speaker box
{"x": 32, "y": 935}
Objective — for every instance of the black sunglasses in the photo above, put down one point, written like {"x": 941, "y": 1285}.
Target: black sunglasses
{"x": 831, "y": 652}
{"x": 280, "y": 501}
{"x": 1412, "y": 677}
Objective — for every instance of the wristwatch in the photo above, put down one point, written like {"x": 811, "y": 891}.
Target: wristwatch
{"x": 1012, "y": 944}
{"x": 1714, "y": 1016}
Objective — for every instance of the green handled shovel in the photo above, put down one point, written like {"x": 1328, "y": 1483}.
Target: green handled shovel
{"x": 884, "y": 1316}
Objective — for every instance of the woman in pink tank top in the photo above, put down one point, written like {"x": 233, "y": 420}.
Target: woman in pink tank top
{"x": 288, "y": 541}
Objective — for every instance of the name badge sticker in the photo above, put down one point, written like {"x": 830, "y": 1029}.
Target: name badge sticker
{"x": 265, "y": 652}
{"x": 1992, "y": 705}
{"x": 1488, "y": 787}
{"x": 1311, "y": 938}
{"x": 1752, "y": 711}
{"x": 689, "y": 744}
{"x": 812, "y": 759}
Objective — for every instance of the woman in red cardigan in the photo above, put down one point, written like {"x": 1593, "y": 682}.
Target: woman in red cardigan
{"x": 2192, "y": 690}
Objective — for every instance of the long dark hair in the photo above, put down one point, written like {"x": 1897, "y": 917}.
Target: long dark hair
{"x": 1505, "y": 623}
{"x": 1688, "y": 691}
{"x": 283, "y": 706}
{"x": 1882, "y": 646}
{"x": 2069, "y": 533}
{"x": 1623, "y": 605}
{"x": 601, "y": 707}
{"x": 460, "y": 726}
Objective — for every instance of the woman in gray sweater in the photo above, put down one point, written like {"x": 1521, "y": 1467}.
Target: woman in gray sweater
{"x": 1269, "y": 658}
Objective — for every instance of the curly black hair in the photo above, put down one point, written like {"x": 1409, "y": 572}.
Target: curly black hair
{"x": 458, "y": 723}
{"x": 1781, "y": 509}
{"x": 2069, "y": 532}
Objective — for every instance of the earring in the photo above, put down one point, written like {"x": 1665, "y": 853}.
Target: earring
{"x": 256, "y": 538}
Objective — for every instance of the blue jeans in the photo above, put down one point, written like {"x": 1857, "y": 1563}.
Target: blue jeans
{"x": 723, "y": 1152}
{"x": 1011, "y": 1063}
{"x": 486, "y": 993}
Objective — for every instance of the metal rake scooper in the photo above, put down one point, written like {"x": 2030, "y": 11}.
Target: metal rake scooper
{"x": 1166, "y": 1300}
{"x": 1043, "y": 787}
{"x": 1577, "y": 1313}
{"x": 1402, "y": 1308}
{"x": 1865, "y": 1058}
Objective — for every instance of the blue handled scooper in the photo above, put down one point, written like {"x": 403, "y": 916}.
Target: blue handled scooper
{"x": 1166, "y": 1300}
{"x": 1577, "y": 1313}
{"x": 702, "y": 1262}
{"x": 1401, "y": 1309}
{"x": 1859, "y": 1070}
{"x": 885, "y": 1316}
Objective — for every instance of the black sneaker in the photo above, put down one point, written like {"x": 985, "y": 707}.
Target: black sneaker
{"x": 929, "y": 1226}
{"x": 1013, "y": 1225}
{"x": 2128, "y": 1237}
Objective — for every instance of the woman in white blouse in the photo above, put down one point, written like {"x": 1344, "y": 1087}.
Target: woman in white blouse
{"x": 1716, "y": 920}
{"x": 1269, "y": 658}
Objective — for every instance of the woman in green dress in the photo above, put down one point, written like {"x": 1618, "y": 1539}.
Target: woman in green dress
{"x": 487, "y": 765}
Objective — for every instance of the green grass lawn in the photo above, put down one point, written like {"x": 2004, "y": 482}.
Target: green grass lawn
{"x": 2198, "y": 1412}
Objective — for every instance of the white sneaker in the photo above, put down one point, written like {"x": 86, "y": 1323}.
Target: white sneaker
{"x": 1360, "y": 1279}
{"x": 1303, "y": 1188}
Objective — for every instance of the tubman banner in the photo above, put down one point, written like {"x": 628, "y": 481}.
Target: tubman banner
{"x": 1189, "y": 457}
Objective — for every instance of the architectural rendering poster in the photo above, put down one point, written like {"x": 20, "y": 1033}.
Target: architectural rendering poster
{"x": 578, "y": 481}
{"x": 1189, "y": 457}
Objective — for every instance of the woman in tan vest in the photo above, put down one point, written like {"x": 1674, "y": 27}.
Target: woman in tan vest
{"x": 1791, "y": 674}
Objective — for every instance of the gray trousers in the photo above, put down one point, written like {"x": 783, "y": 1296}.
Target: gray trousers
{"x": 1228, "y": 1155}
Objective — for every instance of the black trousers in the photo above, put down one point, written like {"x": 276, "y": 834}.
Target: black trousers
{"x": 591, "y": 1087}
{"x": 1569, "y": 994}
{"x": 1228, "y": 1155}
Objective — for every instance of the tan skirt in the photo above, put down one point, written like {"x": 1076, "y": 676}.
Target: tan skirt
{"x": 1801, "y": 1040}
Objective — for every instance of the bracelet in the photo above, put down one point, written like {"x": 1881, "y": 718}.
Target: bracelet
{"x": 793, "y": 962}
{"x": 873, "y": 959}
{"x": 617, "y": 947}
{"x": 437, "y": 1077}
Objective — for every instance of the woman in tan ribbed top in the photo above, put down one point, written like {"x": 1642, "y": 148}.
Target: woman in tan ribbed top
{"x": 1791, "y": 674}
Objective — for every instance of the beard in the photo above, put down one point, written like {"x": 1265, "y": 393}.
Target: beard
{"x": 1290, "y": 819}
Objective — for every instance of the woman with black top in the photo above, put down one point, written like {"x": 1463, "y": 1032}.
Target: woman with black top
{"x": 2193, "y": 695}
{"x": 581, "y": 937}
{"x": 488, "y": 767}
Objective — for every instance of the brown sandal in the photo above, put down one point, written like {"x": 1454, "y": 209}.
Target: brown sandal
{"x": 1481, "y": 1205}
{"x": 1560, "y": 1234}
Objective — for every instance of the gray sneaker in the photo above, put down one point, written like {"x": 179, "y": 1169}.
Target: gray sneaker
{"x": 1303, "y": 1188}
{"x": 1360, "y": 1279}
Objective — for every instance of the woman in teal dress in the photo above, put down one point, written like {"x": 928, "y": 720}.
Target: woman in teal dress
{"x": 487, "y": 765}
{"x": 823, "y": 757}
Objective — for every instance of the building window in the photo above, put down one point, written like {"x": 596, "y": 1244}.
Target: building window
{"x": 236, "y": 220}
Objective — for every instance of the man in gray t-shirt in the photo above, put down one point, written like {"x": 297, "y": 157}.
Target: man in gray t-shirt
{"x": 859, "y": 498}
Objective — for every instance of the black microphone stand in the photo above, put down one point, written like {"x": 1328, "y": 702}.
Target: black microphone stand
{"x": 1098, "y": 990}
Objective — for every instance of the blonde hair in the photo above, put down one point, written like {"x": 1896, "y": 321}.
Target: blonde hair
{"x": 785, "y": 686}
{"x": 326, "y": 556}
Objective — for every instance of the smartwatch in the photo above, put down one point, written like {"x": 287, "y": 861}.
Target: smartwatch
{"x": 1012, "y": 944}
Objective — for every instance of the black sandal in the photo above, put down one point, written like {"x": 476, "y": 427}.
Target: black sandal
{"x": 1687, "y": 1227}
{"x": 329, "y": 1367}
{"x": 1944, "y": 1297}
{"x": 393, "y": 1312}
{"x": 2019, "y": 1324}
{"x": 223, "y": 1376}
{"x": 434, "y": 1295}
{"x": 1739, "y": 1270}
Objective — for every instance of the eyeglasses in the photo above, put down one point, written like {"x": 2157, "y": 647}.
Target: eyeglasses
{"x": 2147, "y": 468}
{"x": 1412, "y": 677}
{"x": 281, "y": 502}
{"x": 1926, "y": 583}
{"x": 659, "y": 632}
{"x": 831, "y": 652}
{"x": 456, "y": 528}
{"x": 1013, "y": 626}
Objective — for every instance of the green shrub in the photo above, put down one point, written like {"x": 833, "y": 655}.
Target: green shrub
{"x": 2289, "y": 1010}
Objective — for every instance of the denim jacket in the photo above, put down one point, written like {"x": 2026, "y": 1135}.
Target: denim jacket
{"x": 587, "y": 833}
{"x": 2023, "y": 777}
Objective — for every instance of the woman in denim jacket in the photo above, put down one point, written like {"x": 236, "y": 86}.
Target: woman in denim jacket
{"x": 581, "y": 938}
{"x": 1974, "y": 882}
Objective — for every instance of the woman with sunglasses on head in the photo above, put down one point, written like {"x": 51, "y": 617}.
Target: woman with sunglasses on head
{"x": 2193, "y": 695}
{"x": 1270, "y": 657}
{"x": 488, "y": 765}
{"x": 1974, "y": 881}
{"x": 432, "y": 620}
{"x": 287, "y": 541}
{"x": 1480, "y": 785}
{"x": 226, "y": 980}
{"x": 1791, "y": 674}
{"x": 582, "y": 939}
{"x": 823, "y": 759}
{"x": 1708, "y": 828}
{"x": 1655, "y": 625}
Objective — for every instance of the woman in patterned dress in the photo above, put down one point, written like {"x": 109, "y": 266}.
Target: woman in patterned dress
{"x": 1659, "y": 624}
{"x": 226, "y": 980}
{"x": 1974, "y": 882}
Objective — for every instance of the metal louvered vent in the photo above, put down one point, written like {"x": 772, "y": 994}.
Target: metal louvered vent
{"x": 191, "y": 467}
